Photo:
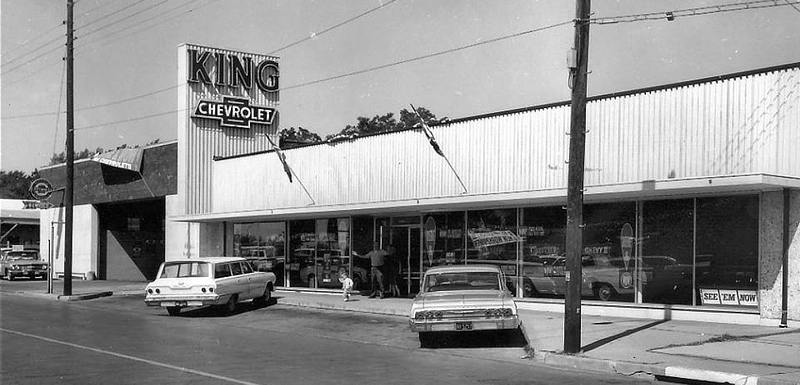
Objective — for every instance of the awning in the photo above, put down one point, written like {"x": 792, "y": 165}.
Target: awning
{"x": 124, "y": 158}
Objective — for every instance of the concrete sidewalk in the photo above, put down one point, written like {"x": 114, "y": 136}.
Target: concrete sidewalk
{"x": 712, "y": 352}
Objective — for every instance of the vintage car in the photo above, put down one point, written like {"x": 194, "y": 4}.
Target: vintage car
{"x": 462, "y": 298}
{"x": 22, "y": 263}
{"x": 603, "y": 277}
{"x": 207, "y": 282}
{"x": 324, "y": 273}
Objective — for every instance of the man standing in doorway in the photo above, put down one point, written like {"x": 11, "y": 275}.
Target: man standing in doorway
{"x": 376, "y": 260}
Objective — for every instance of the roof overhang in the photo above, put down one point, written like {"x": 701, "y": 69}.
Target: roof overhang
{"x": 648, "y": 189}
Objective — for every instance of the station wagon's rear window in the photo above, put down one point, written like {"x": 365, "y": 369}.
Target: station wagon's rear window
{"x": 185, "y": 269}
{"x": 462, "y": 281}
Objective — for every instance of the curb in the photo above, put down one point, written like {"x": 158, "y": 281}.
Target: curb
{"x": 82, "y": 297}
{"x": 316, "y": 305}
{"x": 633, "y": 368}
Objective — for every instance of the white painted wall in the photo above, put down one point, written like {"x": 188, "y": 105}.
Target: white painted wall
{"x": 84, "y": 239}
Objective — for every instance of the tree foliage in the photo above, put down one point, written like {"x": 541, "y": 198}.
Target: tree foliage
{"x": 62, "y": 156}
{"x": 15, "y": 184}
{"x": 385, "y": 123}
{"x": 293, "y": 137}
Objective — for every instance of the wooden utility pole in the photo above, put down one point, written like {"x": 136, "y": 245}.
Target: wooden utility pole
{"x": 577, "y": 149}
{"x": 70, "y": 152}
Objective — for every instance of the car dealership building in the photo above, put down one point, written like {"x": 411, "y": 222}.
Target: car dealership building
{"x": 692, "y": 195}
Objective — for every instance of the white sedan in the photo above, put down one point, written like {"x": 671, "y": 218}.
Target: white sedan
{"x": 206, "y": 282}
{"x": 462, "y": 298}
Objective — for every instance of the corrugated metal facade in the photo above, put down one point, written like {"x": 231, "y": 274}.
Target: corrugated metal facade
{"x": 200, "y": 140}
{"x": 746, "y": 124}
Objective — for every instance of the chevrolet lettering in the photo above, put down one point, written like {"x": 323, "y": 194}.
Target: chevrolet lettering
{"x": 234, "y": 112}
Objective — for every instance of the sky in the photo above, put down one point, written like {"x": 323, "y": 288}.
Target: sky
{"x": 126, "y": 59}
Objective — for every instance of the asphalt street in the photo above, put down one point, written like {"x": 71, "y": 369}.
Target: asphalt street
{"x": 120, "y": 340}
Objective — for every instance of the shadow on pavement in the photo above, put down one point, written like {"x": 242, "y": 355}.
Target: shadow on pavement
{"x": 219, "y": 312}
{"x": 601, "y": 342}
{"x": 479, "y": 339}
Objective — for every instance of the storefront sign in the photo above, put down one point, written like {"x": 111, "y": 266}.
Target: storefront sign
{"x": 124, "y": 158}
{"x": 729, "y": 297}
{"x": 234, "y": 112}
{"x": 232, "y": 70}
{"x": 41, "y": 189}
{"x": 493, "y": 238}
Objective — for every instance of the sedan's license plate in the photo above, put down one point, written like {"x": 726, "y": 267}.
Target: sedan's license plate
{"x": 463, "y": 325}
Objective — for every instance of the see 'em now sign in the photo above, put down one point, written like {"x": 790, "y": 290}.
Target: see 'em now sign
{"x": 729, "y": 297}
{"x": 234, "y": 112}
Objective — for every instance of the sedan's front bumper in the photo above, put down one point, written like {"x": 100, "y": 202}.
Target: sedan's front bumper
{"x": 459, "y": 324}
{"x": 184, "y": 300}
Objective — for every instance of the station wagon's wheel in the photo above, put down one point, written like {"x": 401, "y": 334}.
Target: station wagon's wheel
{"x": 230, "y": 306}
{"x": 264, "y": 299}
{"x": 173, "y": 310}
{"x": 604, "y": 292}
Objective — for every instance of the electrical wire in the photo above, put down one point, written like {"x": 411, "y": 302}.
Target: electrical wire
{"x": 108, "y": 37}
{"x": 128, "y": 17}
{"x": 794, "y": 5}
{"x": 430, "y": 55}
{"x": 315, "y": 34}
{"x": 143, "y": 117}
{"x": 26, "y": 42}
{"x": 58, "y": 114}
{"x": 108, "y": 15}
{"x": 158, "y": 91}
{"x": 671, "y": 15}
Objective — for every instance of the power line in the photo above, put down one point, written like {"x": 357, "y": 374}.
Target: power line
{"x": 794, "y": 5}
{"x": 128, "y": 17}
{"x": 143, "y": 117}
{"x": 26, "y": 42}
{"x": 106, "y": 37}
{"x": 315, "y": 34}
{"x": 672, "y": 15}
{"x": 108, "y": 15}
{"x": 93, "y": 106}
{"x": 417, "y": 58}
{"x": 58, "y": 115}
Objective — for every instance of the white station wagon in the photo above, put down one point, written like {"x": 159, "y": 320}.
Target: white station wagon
{"x": 462, "y": 298}
{"x": 208, "y": 282}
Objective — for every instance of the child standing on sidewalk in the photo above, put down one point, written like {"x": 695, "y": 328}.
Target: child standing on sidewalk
{"x": 347, "y": 284}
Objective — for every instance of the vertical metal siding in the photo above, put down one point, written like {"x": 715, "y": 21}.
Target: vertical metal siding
{"x": 749, "y": 124}
{"x": 206, "y": 139}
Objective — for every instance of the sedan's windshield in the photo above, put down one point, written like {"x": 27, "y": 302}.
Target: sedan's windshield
{"x": 185, "y": 269}
{"x": 462, "y": 281}
{"x": 14, "y": 255}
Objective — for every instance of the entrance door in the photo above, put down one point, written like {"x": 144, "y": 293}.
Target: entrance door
{"x": 405, "y": 241}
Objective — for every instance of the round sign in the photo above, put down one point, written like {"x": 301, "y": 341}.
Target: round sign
{"x": 41, "y": 189}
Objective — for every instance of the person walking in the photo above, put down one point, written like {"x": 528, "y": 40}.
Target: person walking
{"x": 347, "y": 284}
{"x": 376, "y": 260}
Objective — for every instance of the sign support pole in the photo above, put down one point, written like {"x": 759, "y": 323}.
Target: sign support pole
{"x": 577, "y": 150}
{"x": 70, "y": 155}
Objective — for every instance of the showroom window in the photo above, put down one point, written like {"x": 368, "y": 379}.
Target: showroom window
{"x": 543, "y": 247}
{"x": 443, "y": 239}
{"x": 667, "y": 251}
{"x": 727, "y": 251}
{"x": 319, "y": 248}
{"x": 263, "y": 243}
{"x": 492, "y": 238}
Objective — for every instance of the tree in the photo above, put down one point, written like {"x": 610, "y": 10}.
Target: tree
{"x": 293, "y": 137}
{"x": 62, "y": 156}
{"x": 385, "y": 123}
{"x": 15, "y": 184}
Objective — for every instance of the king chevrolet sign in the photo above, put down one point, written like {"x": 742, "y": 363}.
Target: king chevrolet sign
{"x": 234, "y": 112}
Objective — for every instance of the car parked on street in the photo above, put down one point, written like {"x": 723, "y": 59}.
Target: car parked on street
{"x": 462, "y": 298}
{"x": 22, "y": 263}
{"x": 208, "y": 282}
